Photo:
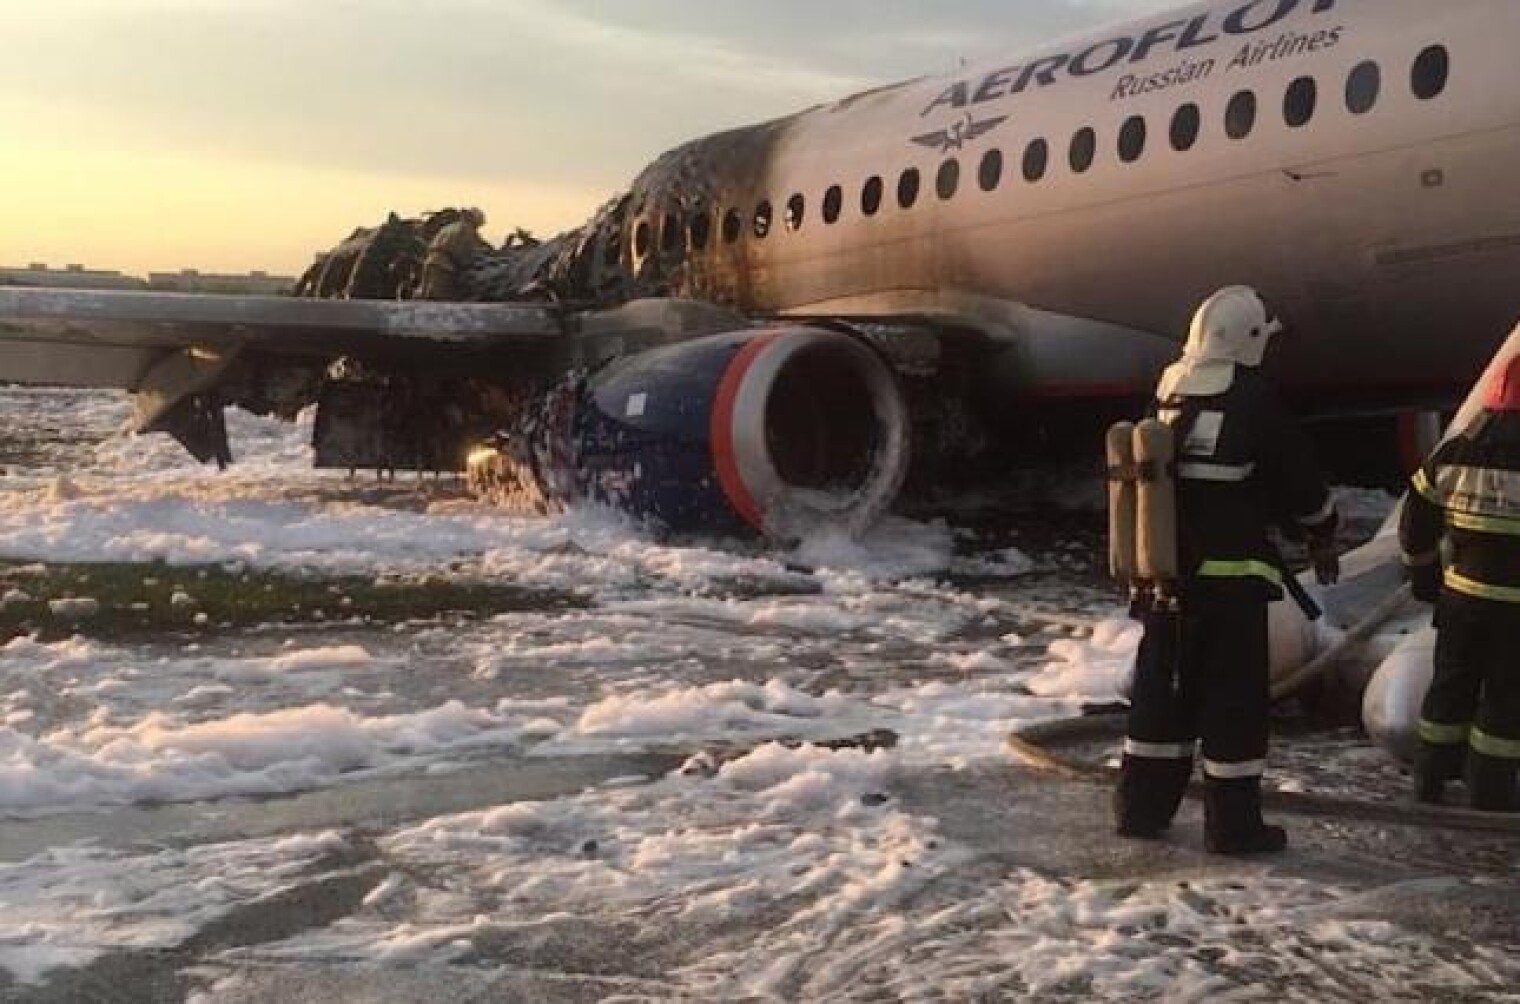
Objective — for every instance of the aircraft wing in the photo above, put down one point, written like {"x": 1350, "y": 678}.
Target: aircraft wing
{"x": 1042, "y": 355}
{"x": 116, "y": 338}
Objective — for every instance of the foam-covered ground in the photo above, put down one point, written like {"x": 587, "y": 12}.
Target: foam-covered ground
{"x": 757, "y": 867}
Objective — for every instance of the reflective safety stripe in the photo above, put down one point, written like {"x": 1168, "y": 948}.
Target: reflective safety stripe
{"x": 1482, "y": 590}
{"x": 1234, "y": 771}
{"x": 1159, "y": 751}
{"x": 1440, "y": 734}
{"x": 1421, "y": 483}
{"x": 1506, "y": 749}
{"x": 1492, "y": 492}
{"x": 1227, "y": 473}
{"x": 1484, "y": 524}
{"x": 1246, "y": 568}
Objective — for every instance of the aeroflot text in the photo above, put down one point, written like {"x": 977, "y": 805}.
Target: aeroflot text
{"x": 1171, "y": 36}
{"x": 1133, "y": 85}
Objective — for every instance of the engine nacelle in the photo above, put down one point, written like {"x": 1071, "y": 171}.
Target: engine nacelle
{"x": 768, "y": 430}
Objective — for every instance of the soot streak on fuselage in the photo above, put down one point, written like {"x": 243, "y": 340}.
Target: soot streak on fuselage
{"x": 1174, "y": 36}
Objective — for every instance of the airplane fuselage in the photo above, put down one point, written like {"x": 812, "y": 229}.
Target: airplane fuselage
{"x": 1354, "y": 159}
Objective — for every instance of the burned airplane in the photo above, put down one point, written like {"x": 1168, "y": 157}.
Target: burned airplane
{"x": 803, "y": 319}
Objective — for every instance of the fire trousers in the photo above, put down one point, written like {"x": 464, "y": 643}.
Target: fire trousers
{"x": 1474, "y": 696}
{"x": 1200, "y": 674}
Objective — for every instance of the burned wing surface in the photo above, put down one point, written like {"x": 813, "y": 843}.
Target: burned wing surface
{"x": 186, "y": 357}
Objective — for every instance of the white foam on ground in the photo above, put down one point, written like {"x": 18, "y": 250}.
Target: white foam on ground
{"x": 1097, "y": 668}
{"x": 801, "y": 878}
{"x": 791, "y": 866}
{"x": 164, "y": 758}
{"x": 71, "y": 905}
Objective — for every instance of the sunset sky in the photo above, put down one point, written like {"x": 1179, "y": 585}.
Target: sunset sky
{"x": 240, "y": 134}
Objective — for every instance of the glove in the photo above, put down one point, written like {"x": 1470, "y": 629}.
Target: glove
{"x": 1424, "y": 581}
{"x": 1323, "y": 556}
{"x": 1326, "y": 561}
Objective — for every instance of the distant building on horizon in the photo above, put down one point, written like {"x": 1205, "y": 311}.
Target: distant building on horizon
{"x": 184, "y": 281}
{"x": 69, "y": 277}
{"x": 191, "y": 280}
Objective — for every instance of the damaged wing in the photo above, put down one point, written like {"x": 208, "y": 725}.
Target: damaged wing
{"x": 179, "y": 354}
{"x": 95, "y": 338}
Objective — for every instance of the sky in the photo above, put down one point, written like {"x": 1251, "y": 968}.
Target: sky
{"x": 231, "y": 135}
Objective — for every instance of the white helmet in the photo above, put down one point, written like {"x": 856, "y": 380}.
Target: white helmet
{"x": 1229, "y": 329}
{"x": 1233, "y": 324}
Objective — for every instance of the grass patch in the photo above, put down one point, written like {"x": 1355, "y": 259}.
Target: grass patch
{"x": 125, "y": 600}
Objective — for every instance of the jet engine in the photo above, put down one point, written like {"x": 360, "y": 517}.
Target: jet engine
{"x": 773, "y": 431}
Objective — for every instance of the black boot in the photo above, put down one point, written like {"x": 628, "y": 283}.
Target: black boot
{"x": 1149, "y": 792}
{"x": 1232, "y": 821}
{"x": 1434, "y": 765}
{"x": 1491, "y": 783}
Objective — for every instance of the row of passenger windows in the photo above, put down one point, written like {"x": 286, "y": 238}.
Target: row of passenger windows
{"x": 1364, "y": 84}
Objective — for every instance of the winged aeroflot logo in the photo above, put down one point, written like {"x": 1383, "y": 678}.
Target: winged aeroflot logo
{"x": 958, "y": 134}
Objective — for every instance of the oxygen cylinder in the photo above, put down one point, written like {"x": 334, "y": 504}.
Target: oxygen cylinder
{"x": 1155, "y": 502}
{"x": 1120, "y": 454}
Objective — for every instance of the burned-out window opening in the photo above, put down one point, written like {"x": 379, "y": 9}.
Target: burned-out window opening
{"x": 641, "y": 239}
{"x": 763, "y": 216}
{"x": 1363, "y": 86}
{"x": 796, "y": 210}
{"x": 1240, "y": 115}
{"x": 907, "y": 188}
{"x": 948, "y": 179}
{"x": 870, "y": 196}
{"x": 733, "y": 226}
{"x": 1132, "y": 139}
{"x": 833, "y": 203}
{"x": 1187, "y": 121}
{"x": 1432, "y": 70}
{"x": 670, "y": 234}
{"x": 1299, "y": 102}
{"x": 990, "y": 174}
{"x": 700, "y": 230}
{"x": 1036, "y": 159}
{"x": 1084, "y": 147}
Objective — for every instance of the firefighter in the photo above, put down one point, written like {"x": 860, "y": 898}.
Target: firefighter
{"x": 1467, "y": 497}
{"x": 1242, "y": 466}
{"x": 452, "y": 251}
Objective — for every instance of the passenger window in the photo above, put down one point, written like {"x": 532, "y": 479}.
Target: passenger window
{"x": 907, "y": 188}
{"x": 948, "y": 179}
{"x": 1240, "y": 115}
{"x": 1132, "y": 139}
{"x": 733, "y": 225}
{"x": 795, "y": 208}
{"x": 1431, "y": 71}
{"x": 670, "y": 234}
{"x": 870, "y": 196}
{"x": 1185, "y": 126}
{"x": 1084, "y": 147}
{"x": 1362, "y": 87}
{"x": 990, "y": 174}
{"x": 1036, "y": 158}
{"x": 1299, "y": 102}
{"x": 763, "y": 214}
{"x": 833, "y": 202}
{"x": 701, "y": 230}
{"x": 641, "y": 239}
